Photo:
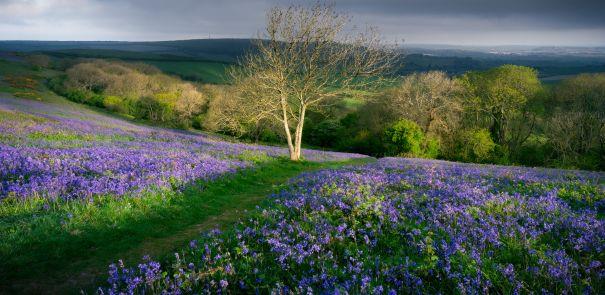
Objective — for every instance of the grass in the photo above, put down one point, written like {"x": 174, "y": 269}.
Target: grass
{"x": 21, "y": 80}
{"x": 62, "y": 247}
{"x": 204, "y": 71}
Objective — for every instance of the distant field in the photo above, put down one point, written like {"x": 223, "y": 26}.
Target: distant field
{"x": 20, "y": 80}
{"x": 205, "y": 60}
{"x": 204, "y": 71}
{"x": 189, "y": 68}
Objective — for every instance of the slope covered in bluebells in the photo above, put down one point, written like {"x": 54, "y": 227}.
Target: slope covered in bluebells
{"x": 401, "y": 226}
{"x": 78, "y": 187}
{"x": 55, "y": 151}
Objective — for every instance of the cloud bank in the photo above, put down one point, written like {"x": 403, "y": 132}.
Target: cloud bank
{"x": 464, "y": 22}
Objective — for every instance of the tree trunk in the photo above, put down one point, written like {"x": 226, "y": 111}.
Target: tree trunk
{"x": 497, "y": 128}
{"x": 291, "y": 149}
{"x": 429, "y": 121}
{"x": 299, "y": 132}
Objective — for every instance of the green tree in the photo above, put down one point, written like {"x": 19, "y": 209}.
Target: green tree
{"x": 500, "y": 99}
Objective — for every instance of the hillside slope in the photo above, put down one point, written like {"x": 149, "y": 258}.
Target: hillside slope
{"x": 80, "y": 189}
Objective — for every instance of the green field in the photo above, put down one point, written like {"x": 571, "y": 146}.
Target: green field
{"x": 203, "y": 71}
{"x": 186, "y": 67}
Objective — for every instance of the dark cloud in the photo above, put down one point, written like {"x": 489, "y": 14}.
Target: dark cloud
{"x": 564, "y": 12}
{"x": 481, "y": 22}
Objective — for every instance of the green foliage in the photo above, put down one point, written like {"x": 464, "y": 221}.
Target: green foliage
{"x": 431, "y": 147}
{"x": 475, "y": 146}
{"x": 269, "y": 135}
{"x": 116, "y": 104}
{"x": 203, "y": 71}
{"x": 324, "y": 133}
{"x": 581, "y": 196}
{"x": 198, "y": 121}
{"x": 404, "y": 138}
{"x": 255, "y": 157}
{"x": 575, "y": 129}
{"x": 497, "y": 99}
{"x": 86, "y": 97}
{"x": 534, "y": 151}
{"x": 63, "y": 137}
{"x": 38, "y": 61}
{"x": 362, "y": 141}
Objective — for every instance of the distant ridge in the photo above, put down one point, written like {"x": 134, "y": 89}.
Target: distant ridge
{"x": 212, "y": 49}
{"x": 228, "y": 49}
{"x": 550, "y": 61}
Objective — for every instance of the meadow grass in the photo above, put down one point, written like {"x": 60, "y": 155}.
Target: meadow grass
{"x": 21, "y": 80}
{"x": 63, "y": 246}
{"x": 205, "y": 71}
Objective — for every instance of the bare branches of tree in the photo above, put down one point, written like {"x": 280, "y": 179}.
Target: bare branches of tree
{"x": 305, "y": 57}
{"x": 432, "y": 99}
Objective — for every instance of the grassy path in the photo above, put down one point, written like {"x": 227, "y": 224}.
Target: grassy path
{"x": 53, "y": 260}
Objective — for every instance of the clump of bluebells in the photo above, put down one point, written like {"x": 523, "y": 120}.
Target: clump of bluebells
{"x": 60, "y": 152}
{"x": 401, "y": 226}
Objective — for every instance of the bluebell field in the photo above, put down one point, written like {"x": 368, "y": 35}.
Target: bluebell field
{"x": 400, "y": 226}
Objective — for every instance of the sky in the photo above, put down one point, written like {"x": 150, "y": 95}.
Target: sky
{"x": 454, "y": 22}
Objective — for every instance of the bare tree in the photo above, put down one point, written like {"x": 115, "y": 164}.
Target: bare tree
{"x": 577, "y": 125}
{"x": 305, "y": 57}
{"x": 432, "y": 99}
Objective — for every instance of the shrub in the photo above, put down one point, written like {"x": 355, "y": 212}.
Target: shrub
{"x": 534, "y": 152}
{"x": 158, "y": 107}
{"x": 136, "y": 89}
{"x": 269, "y": 135}
{"x": 404, "y": 138}
{"x": 431, "y": 147}
{"x": 198, "y": 121}
{"x": 475, "y": 145}
{"x": 115, "y": 104}
{"x": 362, "y": 141}
{"x": 325, "y": 133}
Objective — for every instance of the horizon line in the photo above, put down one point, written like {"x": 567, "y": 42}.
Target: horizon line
{"x": 239, "y": 38}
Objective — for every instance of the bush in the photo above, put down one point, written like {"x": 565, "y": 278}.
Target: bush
{"x": 431, "y": 147}
{"x": 475, "y": 145}
{"x": 534, "y": 151}
{"x": 404, "y": 138}
{"x": 86, "y": 97}
{"x": 135, "y": 89}
{"x": 362, "y": 141}
{"x": 198, "y": 121}
{"x": 156, "y": 108}
{"x": 326, "y": 133}
{"x": 115, "y": 104}
{"x": 269, "y": 135}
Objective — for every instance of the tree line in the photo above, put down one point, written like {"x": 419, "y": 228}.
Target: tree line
{"x": 503, "y": 115}
{"x": 137, "y": 90}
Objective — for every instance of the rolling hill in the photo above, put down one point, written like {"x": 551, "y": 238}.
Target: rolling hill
{"x": 205, "y": 59}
